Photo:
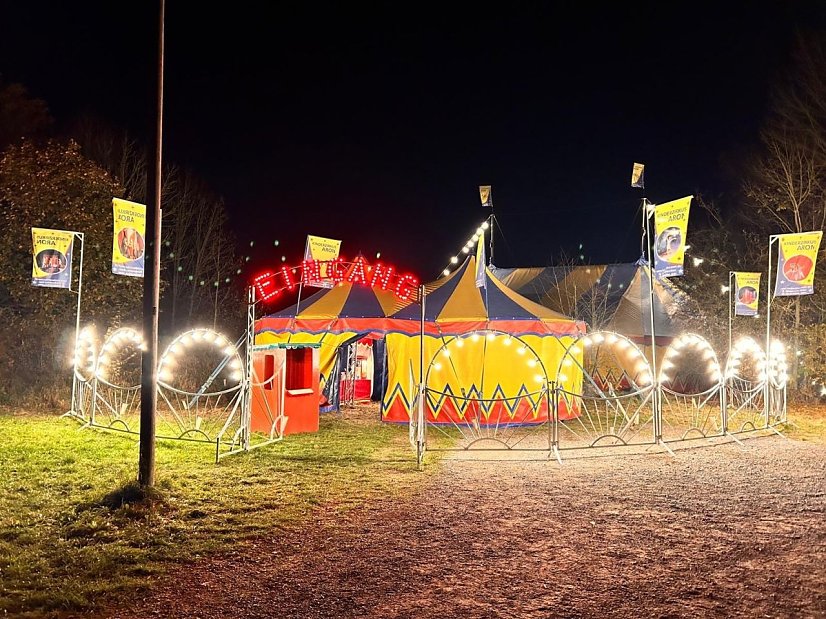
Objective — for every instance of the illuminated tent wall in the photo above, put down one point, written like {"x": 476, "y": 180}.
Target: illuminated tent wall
{"x": 612, "y": 297}
{"x": 456, "y": 307}
{"x": 332, "y": 318}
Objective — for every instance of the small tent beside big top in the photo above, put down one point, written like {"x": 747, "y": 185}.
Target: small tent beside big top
{"x": 482, "y": 385}
{"x": 613, "y": 297}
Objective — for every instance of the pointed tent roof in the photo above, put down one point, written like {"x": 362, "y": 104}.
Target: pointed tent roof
{"x": 453, "y": 304}
{"x": 617, "y": 292}
{"x": 456, "y": 299}
{"x": 345, "y": 300}
{"x": 344, "y": 308}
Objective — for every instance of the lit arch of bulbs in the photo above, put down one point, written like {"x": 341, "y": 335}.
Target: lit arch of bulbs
{"x": 178, "y": 346}
{"x": 746, "y": 346}
{"x": 119, "y": 339}
{"x": 698, "y": 343}
{"x": 620, "y": 344}
{"x": 84, "y": 354}
{"x": 777, "y": 366}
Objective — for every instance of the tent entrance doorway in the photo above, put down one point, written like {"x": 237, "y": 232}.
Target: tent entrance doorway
{"x": 357, "y": 371}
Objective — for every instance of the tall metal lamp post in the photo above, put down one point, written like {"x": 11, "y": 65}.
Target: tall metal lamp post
{"x": 151, "y": 279}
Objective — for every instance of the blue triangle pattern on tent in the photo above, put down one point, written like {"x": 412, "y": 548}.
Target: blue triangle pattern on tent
{"x": 361, "y": 302}
{"x": 500, "y": 306}
{"x": 436, "y": 300}
{"x": 388, "y": 398}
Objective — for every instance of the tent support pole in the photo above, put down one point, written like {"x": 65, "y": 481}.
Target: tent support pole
{"x": 491, "y": 227}
{"x": 420, "y": 412}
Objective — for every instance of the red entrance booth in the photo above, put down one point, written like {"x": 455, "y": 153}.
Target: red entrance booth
{"x": 285, "y": 382}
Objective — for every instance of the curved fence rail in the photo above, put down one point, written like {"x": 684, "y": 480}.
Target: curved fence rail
{"x": 617, "y": 401}
{"x": 595, "y": 391}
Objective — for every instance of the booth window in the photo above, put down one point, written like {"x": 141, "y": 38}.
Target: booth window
{"x": 269, "y": 371}
{"x": 299, "y": 369}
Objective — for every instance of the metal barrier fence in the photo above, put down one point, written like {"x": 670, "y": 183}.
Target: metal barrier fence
{"x": 620, "y": 401}
{"x": 603, "y": 393}
{"x": 204, "y": 390}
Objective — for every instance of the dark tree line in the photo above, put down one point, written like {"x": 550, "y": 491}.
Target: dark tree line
{"x": 782, "y": 190}
{"x": 67, "y": 181}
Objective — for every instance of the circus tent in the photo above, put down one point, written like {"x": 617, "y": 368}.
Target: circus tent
{"x": 454, "y": 307}
{"x": 335, "y": 318}
{"x": 486, "y": 378}
{"x": 614, "y": 297}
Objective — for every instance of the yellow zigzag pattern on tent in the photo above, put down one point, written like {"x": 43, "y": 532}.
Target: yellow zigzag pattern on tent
{"x": 436, "y": 401}
{"x": 488, "y": 370}
{"x": 474, "y": 395}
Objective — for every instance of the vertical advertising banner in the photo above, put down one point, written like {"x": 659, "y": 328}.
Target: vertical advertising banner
{"x": 52, "y": 258}
{"x": 670, "y": 227}
{"x": 128, "y": 243}
{"x": 746, "y": 297}
{"x": 796, "y": 260}
{"x": 485, "y": 195}
{"x": 320, "y": 249}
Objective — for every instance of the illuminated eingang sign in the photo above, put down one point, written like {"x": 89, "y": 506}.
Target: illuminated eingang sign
{"x": 384, "y": 276}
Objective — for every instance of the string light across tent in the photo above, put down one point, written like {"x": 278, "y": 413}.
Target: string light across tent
{"x": 468, "y": 247}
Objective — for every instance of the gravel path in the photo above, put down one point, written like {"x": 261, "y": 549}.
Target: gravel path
{"x": 720, "y": 532}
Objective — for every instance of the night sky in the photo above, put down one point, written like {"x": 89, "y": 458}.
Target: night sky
{"x": 375, "y": 123}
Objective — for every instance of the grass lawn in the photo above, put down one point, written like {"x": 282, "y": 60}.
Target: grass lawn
{"x": 806, "y": 422}
{"x": 73, "y": 526}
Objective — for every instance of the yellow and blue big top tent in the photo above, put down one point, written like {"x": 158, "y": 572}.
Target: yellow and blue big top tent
{"x": 474, "y": 360}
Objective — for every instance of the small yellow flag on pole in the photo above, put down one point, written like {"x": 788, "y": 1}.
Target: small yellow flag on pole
{"x": 485, "y": 195}
{"x": 638, "y": 176}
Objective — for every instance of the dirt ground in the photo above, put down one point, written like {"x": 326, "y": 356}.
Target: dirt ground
{"x": 717, "y": 532}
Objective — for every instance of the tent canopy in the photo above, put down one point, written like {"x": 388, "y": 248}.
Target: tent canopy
{"x": 612, "y": 296}
{"x": 345, "y": 301}
{"x": 456, "y": 303}
{"x": 453, "y": 305}
{"x": 344, "y": 308}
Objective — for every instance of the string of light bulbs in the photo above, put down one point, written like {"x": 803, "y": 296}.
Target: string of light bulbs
{"x": 454, "y": 260}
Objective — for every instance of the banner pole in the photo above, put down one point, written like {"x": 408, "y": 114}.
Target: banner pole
{"x": 772, "y": 239}
{"x": 420, "y": 412}
{"x": 655, "y": 375}
{"x": 73, "y": 409}
{"x": 301, "y": 281}
{"x": 731, "y": 277}
{"x": 491, "y": 226}
{"x": 250, "y": 344}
